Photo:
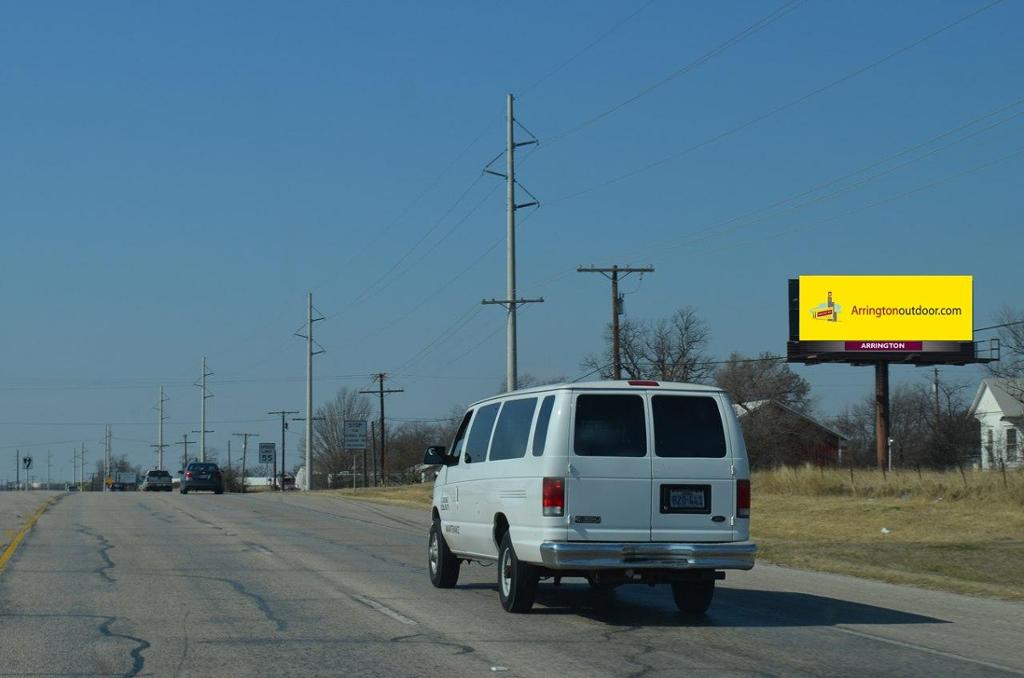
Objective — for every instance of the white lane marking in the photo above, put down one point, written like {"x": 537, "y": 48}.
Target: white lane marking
{"x": 922, "y": 648}
{"x": 383, "y": 609}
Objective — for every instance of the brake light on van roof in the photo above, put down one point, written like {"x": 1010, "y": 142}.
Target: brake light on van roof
{"x": 742, "y": 498}
{"x": 643, "y": 382}
{"x": 553, "y": 497}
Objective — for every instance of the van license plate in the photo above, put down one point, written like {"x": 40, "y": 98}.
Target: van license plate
{"x": 685, "y": 498}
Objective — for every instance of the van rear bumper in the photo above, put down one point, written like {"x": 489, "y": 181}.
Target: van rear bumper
{"x": 604, "y": 555}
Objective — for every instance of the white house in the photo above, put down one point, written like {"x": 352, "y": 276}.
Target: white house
{"x": 1002, "y": 422}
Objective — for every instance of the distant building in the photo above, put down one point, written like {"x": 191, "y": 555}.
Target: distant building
{"x": 1001, "y": 416}
{"x": 787, "y": 436}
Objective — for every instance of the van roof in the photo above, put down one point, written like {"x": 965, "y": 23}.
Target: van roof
{"x": 610, "y": 385}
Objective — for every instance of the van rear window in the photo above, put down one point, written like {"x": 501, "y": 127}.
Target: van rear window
{"x": 610, "y": 426}
{"x": 687, "y": 426}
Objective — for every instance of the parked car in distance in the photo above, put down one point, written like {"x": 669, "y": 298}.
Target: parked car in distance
{"x": 618, "y": 482}
{"x": 202, "y": 476}
{"x": 156, "y": 481}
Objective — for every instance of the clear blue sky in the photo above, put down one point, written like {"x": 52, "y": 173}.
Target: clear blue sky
{"x": 175, "y": 176}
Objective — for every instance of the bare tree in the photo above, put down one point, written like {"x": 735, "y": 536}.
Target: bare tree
{"x": 921, "y": 436}
{"x": 1010, "y": 366}
{"x": 763, "y": 378}
{"x": 669, "y": 349}
{"x": 329, "y": 429}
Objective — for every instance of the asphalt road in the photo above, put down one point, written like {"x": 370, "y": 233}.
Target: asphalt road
{"x": 164, "y": 584}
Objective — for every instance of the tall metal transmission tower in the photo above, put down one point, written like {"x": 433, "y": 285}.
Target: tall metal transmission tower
{"x": 511, "y": 302}
{"x": 160, "y": 430}
{"x": 310, "y": 352}
{"x": 201, "y": 384}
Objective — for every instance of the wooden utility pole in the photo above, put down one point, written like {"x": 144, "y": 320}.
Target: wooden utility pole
{"x": 184, "y": 456}
{"x": 245, "y": 448}
{"x": 284, "y": 427}
{"x": 615, "y": 273}
{"x": 383, "y": 436}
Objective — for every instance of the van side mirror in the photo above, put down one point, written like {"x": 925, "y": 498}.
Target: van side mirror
{"x": 434, "y": 456}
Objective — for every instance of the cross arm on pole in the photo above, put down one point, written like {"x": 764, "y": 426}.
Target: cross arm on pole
{"x": 508, "y": 303}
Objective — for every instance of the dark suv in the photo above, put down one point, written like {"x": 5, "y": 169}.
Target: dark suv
{"x": 202, "y": 476}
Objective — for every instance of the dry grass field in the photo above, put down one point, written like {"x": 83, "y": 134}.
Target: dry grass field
{"x": 962, "y": 533}
{"x": 942, "y": 530}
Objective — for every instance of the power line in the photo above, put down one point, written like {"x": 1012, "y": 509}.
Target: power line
{"x": 996, "y": 327}
{"x": 761, "y": 23}
{"x": 899, "y": 196}
{"x": 619, "y": 24}
{"x": 735, "y": 224}
{"x": 385, "y": 278}
{"x": 124, "y": 423}
{"x": 478, "y": 344}
{"x": 380, "y": 233}
{"x": 779, "y": 109}
{"x": 448, "y": 332}
{"x": 475, "y": 261}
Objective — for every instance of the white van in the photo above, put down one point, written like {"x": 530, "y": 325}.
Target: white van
{"x": 618, "y": 482}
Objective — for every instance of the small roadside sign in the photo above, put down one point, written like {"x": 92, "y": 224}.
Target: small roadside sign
{"x": 355, "y": 435}
{"x": 26, "y": 463}
{"x": 268, "y": 453}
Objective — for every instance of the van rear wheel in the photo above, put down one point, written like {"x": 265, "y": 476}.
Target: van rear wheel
{"x": 517, "y": 581}
{"x": 693, "y": 597}
{"x": 442, "y": 563}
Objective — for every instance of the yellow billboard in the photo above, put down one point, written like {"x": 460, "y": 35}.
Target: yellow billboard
{"x": 886, "y": 308}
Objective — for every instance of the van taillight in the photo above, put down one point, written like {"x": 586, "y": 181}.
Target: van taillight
{"x": 642, "y": 382}
{"x": 554, "y": 497}
{"x": 742, "y": 498}
{"x": 188, "y": 474}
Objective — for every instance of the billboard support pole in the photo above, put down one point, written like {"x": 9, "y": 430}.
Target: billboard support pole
{"x": 881, "y": 412}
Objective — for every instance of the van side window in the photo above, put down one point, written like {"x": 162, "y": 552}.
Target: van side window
{"x": 480, "y": 433}
{"x": 610, "y": 426}
{"x": 513, "y": 429}
{"x": 687, "y": 426}
{"x": 540, "y": 435}
{"x": 460, "y": 438}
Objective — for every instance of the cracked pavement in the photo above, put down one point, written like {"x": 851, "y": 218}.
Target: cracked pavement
{"x": 127, "y": 584}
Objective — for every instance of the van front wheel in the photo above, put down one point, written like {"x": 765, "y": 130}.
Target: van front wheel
{"x": 693, "y": 597}
{"x": 517, "y": 581}
{"x": 444, "y": 566}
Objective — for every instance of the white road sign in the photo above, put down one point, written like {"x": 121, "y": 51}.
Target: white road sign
{"x": 26, "y": 463}
{"x": 268, "y": 453}
{"x": 355, "y": 435}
